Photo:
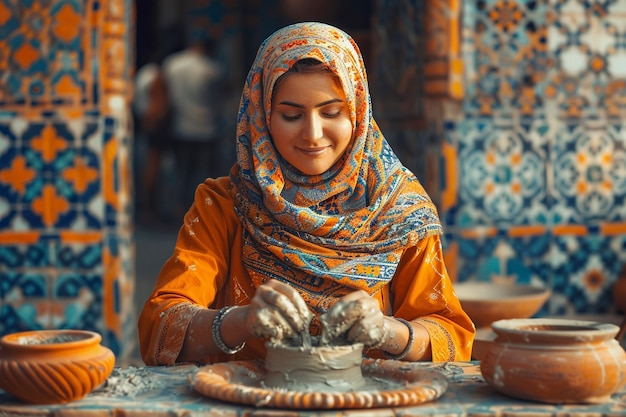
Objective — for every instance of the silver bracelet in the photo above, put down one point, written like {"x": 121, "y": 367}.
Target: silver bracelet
{"x": 217, "y": 337}
{"x": 409, "y": 345}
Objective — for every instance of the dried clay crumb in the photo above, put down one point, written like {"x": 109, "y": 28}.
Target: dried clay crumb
{"x": 130, "y": 382}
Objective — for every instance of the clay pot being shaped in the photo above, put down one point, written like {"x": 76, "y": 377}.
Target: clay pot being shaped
{"x": 318, "y": 368}
{"x": 555, "y": 361}
{"x": 53, "y": 366}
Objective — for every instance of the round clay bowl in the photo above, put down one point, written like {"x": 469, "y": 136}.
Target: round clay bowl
{"x": 555, "y": 361}
{"x": 487, "y": 302}
{"x": 53, "y": 366}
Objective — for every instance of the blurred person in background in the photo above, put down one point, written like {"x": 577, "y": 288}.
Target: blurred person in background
{"x": 196, "y": 85}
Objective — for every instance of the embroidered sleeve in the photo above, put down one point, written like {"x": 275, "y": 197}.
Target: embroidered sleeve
{"x": 171, "y": 334}
{"x": 422, "y": 291}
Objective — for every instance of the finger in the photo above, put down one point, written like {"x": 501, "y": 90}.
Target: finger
{"x": 336, "y": 321}
{"x": 266, "y": 322}
{"x": 263, "y": 319}
{"x": 285, "y": 307}
{"x": 303, "y": 308}
{"x": 293, "y": 295}
{"x": 289, "y": 300}
{"x": 340, "y": 319}
{"x": 351, "y": 308}
{"x": 370, "y": 330}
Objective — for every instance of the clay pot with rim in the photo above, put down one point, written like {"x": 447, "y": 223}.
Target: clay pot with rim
{"x": 53, "y": 366}
{"x": 556, "y": 361}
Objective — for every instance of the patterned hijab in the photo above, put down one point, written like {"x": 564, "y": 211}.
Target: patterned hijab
{"x": 331, "y": 234}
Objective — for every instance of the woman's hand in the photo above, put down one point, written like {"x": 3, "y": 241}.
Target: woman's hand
{"x": 355, "y": 318}
{"x": 277, "y": 311}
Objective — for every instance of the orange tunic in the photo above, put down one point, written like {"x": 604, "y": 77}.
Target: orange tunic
{"x": 206, "y": 271}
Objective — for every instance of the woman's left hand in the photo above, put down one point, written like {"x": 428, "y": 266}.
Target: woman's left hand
{"x": 357, "y": 318}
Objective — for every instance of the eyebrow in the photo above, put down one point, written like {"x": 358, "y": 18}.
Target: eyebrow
{"x": 322, "y": 104}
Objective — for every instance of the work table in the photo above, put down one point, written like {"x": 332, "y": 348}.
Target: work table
{"x": 167, "y": 391}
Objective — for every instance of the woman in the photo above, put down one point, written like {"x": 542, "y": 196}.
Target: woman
{"x": 319, "y": 229}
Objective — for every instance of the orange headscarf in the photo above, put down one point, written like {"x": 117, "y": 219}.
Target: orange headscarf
{"x": 346, "y": 229}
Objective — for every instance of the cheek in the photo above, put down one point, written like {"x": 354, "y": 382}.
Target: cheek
{"x": 344, "y": 132}
{"x": 278, "y": 129}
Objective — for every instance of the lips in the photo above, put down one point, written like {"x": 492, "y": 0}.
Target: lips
{"x": 313, "y": 151}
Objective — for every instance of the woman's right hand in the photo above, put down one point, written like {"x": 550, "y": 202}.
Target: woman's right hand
{"x": 278, "y": 311}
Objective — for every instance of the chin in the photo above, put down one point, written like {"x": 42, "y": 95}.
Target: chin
{"x": 311, "y": 171}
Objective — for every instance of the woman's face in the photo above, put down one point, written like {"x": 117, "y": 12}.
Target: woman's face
{"x": 310, "y": 122}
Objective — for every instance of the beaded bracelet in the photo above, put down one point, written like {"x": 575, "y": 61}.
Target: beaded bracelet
{"x": 409, "y": 345}
{"x": 217, "y": 337}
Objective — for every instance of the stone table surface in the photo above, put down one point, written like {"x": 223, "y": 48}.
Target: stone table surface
{"x": 168, "y": 391}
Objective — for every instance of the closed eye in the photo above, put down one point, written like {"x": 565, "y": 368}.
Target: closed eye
{"x": 291, "y": 118}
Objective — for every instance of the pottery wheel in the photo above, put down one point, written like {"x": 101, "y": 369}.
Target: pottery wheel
{"x": 389, "y": 384}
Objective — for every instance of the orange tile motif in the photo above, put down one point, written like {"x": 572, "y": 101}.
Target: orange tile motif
{"x": 65, "y": 237}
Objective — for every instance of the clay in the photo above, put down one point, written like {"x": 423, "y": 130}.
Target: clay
{"x": 322, "y": 368}
{"x": 43, "y": 340}
{"x": 486, "y": 302}
{"x": 335, "y": 327}
{"x": 131, "y": 381}
{"x": 280, "y": 332}
{"x": 323, "y": 363}
{"x": 53, "y": 366}
{"x": 555, "y": 361}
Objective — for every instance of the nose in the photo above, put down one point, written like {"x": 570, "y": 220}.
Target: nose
{"x": 313, "y": 128}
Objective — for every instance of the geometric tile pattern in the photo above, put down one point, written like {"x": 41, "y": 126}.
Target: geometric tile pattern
{"x": 534, "y": 167}
{"x": 65, "y": 234}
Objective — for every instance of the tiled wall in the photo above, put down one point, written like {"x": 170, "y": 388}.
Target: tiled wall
{"x": 531, "y": 180}
{"x": 66, "y": 250}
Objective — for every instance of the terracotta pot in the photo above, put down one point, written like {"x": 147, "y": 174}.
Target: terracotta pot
{"x": 555, "y": 360}
{"x": 53, "y": 366}
{"x": 486, "y": 302}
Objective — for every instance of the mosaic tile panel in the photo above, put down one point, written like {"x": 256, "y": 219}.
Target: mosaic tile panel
{"x": 586, "y": 43}
{"x": 505, "y": 56}
{"x": 584, "y": 269}
{"x": 501, "y": 169}
{"x": 579, "y": 269}
{"x": 506, "y": 257}
{"x": 588, "y": 169}
{"x": 538, "y": 151}
{"x": 65, "y": 235}
{"x": 44, "y": 49}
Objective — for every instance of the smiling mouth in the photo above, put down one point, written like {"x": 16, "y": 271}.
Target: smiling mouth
{"x": 313, "y": 152}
